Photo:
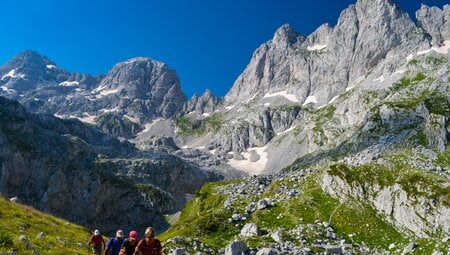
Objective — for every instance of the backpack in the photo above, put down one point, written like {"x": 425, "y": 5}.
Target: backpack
{"x": 149, "y": 250}
{"x": 109, "y": 247}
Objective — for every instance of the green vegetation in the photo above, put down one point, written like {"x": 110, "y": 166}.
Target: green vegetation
{"x": 323, "y": 115}
{"x": 434, "y": 61}
{"x": 154, "y": 194}
{"x": 20, "y": 220}
{"x": 443, "y": 159}
{"x": 411, "y": 101}
{"x": 405, "y": 82}
{"x": 438, "y": 104}
{"x": 413, "y": 62}
{"x": 415, "y": 182}
{"x": 205, "y": 218}
{"x": 197, "y": 127}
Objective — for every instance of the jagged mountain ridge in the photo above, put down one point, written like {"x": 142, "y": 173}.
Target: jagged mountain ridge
{"x": 134, "y": 92}
{"x": 372, "y": 39}
{"x": 292, "y": 76}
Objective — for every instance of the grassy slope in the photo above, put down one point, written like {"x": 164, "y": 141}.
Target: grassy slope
{"x": 206, "y": 218}
{"x": 60, "y": 236}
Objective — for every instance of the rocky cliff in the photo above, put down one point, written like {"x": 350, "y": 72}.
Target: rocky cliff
{"x": 53, "y": 164}
{"x": 304, "y": 95}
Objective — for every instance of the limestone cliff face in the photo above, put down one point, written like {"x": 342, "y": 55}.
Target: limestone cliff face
{"x": 308, "y": 94}
{"x": 323, "y": 64}
{"x": 418, "y": 214}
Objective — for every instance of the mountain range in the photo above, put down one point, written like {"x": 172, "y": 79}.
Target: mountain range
{"x": 363, "y": 95}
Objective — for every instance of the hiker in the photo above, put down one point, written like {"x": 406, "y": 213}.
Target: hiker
{"x": 114, "y": 244}
{"x": 129, "y": 245}
{"x": 97, "y": 243}
{"x": 149, "y": 245}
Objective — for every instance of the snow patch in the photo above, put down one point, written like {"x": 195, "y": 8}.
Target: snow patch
{"x": 132, "y": 119}
{"x": 310, "y": 99}
{"x": 398, "y": 72}
{"x": 409, "y": 57}
{"x": 8, "y": 90}
{"x": 13, "y": 74}
{"x": 252, "y": 168}
{"x": 69, "y": 83}
{"x": 149, "y": 125}
{"x": 380, "y": 79}
{"x": 290, "y": 97}
{"x": 51, "y": 66}
{"x": 205, "y": 114}
{"x": 230, "y": 107}
{"x": 333, "y": 99}
{"x": 88, "y": 119}
{"x": 287, "y": 130}
{"x": 316, "y": 47}
{"x": 350, "y": 88}
{"x": 441, "y": 50}
{"x": 106, "y": 92}
{"x": 116, "y": 109}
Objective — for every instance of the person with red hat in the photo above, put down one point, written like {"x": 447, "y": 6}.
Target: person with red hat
{"x": 129, "y": 245}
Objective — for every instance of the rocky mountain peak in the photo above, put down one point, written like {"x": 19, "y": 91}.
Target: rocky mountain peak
{"x": 29, "y": 58}
{"x": 147, "y": 88}
{"x": 285, "y": 36}
{"x": 435, "y": 22}
{"x": 28, "y": 69}
{"x": 206, "y": 103}
{"x": 137, "y": 76}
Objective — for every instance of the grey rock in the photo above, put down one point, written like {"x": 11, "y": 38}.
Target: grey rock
{"x": 40, "y": 235}
{"x": 236, "y": 248}
{"x": 331, "y": 249}
{"x": 250, "y": 207}
{"x": 179, "y": 251}
{"x": 266, "y": 251}
{"x": 264, "y": 204}
{"x": 206, "y": 103}
{"x": 435, "y": 22}
{"x": 277, "y": 236}
{"x": 410, "y": 248}
{"x": 26, "y": 242}
{"x": 250, "y": 230}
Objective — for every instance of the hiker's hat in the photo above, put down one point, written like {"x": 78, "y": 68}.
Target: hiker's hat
{"x": 119, "y": 233}
{"x": 97, "y": 232}
{"x": 133, "y": 235}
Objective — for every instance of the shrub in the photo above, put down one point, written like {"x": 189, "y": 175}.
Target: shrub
{"x": 6, "y": 241}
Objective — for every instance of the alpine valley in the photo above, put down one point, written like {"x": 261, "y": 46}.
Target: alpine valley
{"x": 331, "y": 143}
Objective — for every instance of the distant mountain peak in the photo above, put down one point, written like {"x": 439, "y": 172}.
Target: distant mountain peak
{"x": 285, "y": 36}
{"x": 29, "y": 58}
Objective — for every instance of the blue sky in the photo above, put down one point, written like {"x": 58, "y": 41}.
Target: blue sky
{"x": 208, "y": 42}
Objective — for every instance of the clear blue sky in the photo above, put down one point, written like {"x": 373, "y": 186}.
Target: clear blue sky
{"x": 208, "y": 42}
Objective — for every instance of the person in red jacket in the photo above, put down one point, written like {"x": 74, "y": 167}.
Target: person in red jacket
{"x": 149, "y": 245}
{"x": 97, "y": 242}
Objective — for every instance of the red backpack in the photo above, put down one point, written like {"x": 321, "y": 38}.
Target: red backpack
{"x": 151, "y": 249}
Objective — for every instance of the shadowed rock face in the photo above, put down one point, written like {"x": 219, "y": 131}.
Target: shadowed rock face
{"x": 55, "y": 164}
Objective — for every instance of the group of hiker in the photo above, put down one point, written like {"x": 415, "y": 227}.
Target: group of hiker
{"x": 149, "y": 245}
